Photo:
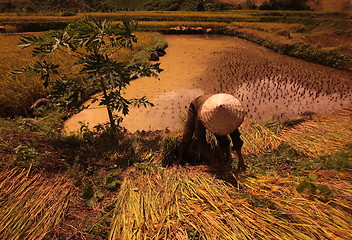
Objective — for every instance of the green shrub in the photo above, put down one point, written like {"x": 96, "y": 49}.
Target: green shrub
{"x": 339, "y": 160}
{"x": 26, "y": 157}
{"x": 314, "y": 54}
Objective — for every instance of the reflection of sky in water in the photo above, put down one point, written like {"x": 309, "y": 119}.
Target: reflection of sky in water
{"x": 272, "y": 98}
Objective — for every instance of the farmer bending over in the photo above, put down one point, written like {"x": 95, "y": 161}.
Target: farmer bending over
{"x": 220, "y": 114}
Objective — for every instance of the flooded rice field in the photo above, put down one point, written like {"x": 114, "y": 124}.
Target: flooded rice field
{"x": 269, "y": 85}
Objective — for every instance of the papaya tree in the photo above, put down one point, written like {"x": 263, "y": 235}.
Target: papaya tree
{"x": 94, "y": 45}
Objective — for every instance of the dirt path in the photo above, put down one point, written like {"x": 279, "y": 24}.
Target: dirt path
{"x": 269, "y": 84}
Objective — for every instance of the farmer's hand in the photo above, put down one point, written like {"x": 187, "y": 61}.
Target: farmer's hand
{"x": 241, "y": 167}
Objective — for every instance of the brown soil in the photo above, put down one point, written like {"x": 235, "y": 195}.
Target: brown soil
{"x": 270, "y": 85}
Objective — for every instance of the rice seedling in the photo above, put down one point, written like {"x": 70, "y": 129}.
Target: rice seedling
{"x": 322, "y": 135}
{"x": 184, "y": 203}
{"x": 31, "y": 206}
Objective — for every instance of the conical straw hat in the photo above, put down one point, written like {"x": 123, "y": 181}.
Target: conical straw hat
{"x": 221, "y": 114}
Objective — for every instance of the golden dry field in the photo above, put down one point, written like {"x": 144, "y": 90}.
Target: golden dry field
{"x": 20, "y": 91}
{"x": 322, "y": 5}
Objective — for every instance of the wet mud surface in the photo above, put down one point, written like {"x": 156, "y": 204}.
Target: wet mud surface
{"x": 269, "y": 85}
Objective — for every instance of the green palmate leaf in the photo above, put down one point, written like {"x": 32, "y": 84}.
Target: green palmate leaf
{"x": 138, "y": 102}
{"x": 324, "y": 189}
{"x": 145, "y": 70}
{"x": 43, "y": 69}
{"x": 115, "y": 101}
{"x": 304, "y": 186}
{"x": 88, "y": 193}
{"x": 122, "y": 35}
{"x": 312, "y": 176}
{"x": 91, "y": 202}
{"x": 27, "y": 41}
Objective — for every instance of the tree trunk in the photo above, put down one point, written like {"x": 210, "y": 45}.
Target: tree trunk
{"x": 111, "y": 116}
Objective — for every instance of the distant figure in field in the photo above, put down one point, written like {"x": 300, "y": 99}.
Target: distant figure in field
{"x": 221, "y": 114}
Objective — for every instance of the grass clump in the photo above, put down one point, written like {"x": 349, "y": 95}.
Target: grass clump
{"x": 338, "y": 160}
{"x": 324, "y": 57}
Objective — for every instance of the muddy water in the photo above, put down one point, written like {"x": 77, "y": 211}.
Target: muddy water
{"x": 270, "y": 85}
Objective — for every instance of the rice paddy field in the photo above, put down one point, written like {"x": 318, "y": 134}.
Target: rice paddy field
{"x": 88, "y": 185}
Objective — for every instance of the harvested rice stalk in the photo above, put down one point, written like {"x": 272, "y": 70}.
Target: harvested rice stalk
{"x": 180, "y": 204}
{"x": 317, "y": 219}
{"x": 30, "y": 207}
{"x": 257, "y": 138}
{"x": 322, "y": 135}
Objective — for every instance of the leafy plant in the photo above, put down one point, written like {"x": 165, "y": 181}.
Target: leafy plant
{"x": 310, "y": 185}
{"x": 91, "y": 196}
{"x": 338, "y": 160}
{"x": 93, "y": 44}
{"x": 112, "y": 182}
{"x": 169, "y": 150}
{"x": 26, "y": 157}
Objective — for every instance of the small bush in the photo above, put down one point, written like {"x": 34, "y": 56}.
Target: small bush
{"x": 26, "y": 157}
{"x": 339, "y": 160}
{"x": 314, "y": 54}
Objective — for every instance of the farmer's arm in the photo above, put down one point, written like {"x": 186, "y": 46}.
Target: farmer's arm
{"x": 187, "y": 133}
{"x": 237, "y": 146}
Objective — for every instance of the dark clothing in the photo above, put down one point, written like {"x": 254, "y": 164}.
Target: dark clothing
{"x": 201, "y": 151}
{"x": 194, "y": 126}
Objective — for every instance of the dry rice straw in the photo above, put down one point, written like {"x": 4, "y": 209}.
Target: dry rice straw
{"x": 30, "y": 207}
